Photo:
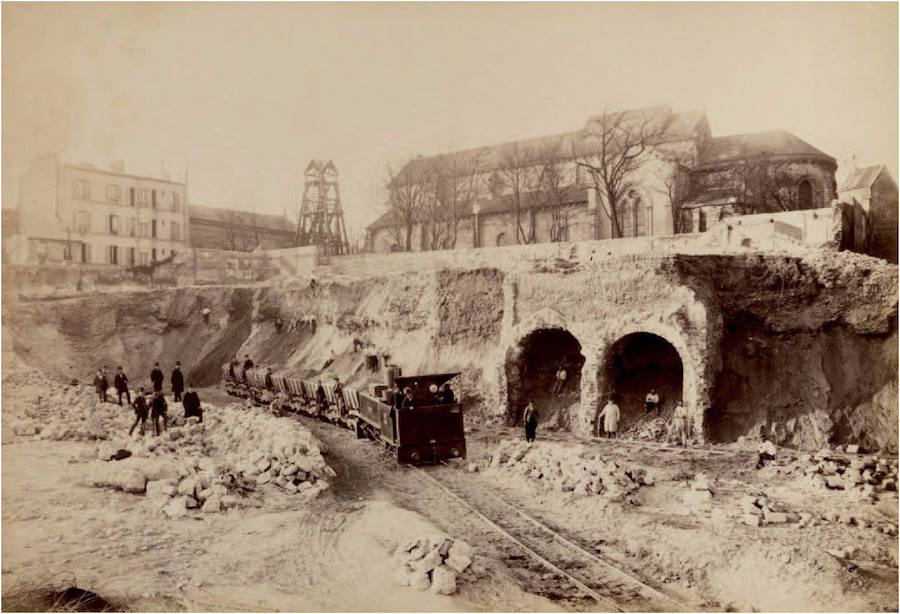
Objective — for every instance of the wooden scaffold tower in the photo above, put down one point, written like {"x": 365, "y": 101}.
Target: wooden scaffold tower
{"x": 321, "y": 219}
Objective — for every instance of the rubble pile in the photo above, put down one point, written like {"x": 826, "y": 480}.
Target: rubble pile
{"x": 265, "y": 449}
{"x": 211, "y": 466}
{"x": 862, "y": 477}
{"x": 35, "y": 405}
{"x": 433, "y": 563}
{"x": 569, "y": 468}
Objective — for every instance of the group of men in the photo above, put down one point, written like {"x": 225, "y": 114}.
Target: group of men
{"x": 609, "y": 416}
{"x": 151, "y": 405}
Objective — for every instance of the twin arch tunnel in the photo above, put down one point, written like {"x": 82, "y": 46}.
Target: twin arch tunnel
{"x": 628, "y": 369}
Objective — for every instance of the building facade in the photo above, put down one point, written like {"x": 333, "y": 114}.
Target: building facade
{"x": 236, "y": 230}
{"x": 683, "y": 180}
{"x": 84, "y": 214}
{"x": 874, "y": 191}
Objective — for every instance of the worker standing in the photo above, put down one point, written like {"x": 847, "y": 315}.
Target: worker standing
{"x": 100, "y": 385}
{"x": 270, "y": 385}
{"x": 156, "y": 376}
{"x": 446, "y": 395}
{"x": 248, "y": 364}
{"x": 680, "y": 423}
{"x": 408, "y": 399}
{"x": 177, "y": 382}
{"x": 140, "y": 412}
{"x": 120, "y": 381}
{"x": 191, "y": 403}
{"x": 531, "y": 422}
{"x": 397, "y": 397}
{"x": 339, "y": 396}
{"x": 560, "y": 380}
{"x": 651, "y": 401}
{"x": 321, "y": 398}
{"x": 159, "y": 409}
{"x": 610, "y": 415}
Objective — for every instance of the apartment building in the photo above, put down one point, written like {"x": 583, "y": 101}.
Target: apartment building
{"x": 85, "y": 214}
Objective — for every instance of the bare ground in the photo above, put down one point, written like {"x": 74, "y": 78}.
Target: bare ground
{"x": 335, "y": 554}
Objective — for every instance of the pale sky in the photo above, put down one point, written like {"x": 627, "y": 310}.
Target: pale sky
{"x": 243, "y": 95}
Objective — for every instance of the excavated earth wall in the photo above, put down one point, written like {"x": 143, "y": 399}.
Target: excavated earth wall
{"x": 799, "y": 348}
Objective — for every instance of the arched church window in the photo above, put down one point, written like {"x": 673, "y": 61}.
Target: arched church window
{"x": 805, "y": 195}
{"x": 633, "y": 215}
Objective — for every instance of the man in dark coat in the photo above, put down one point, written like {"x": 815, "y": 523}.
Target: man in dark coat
{"x": 140, "y": 412}
{"x": 270, "y": 385}
{"x": 191, "y": 404}
{"x": 120, "y": 381}
{"x": 397, "y": 397}
{"x": 321, "y": 398}
{"x": 156, "y": 376}
{"x": 100, "y": 385}
{"x": 339, "y": 396}
{"x": 407, "y": 402}
{"x": 531, "y": 422}
{"x": 177, "y": 382}
{"x": 159, "y": 409}
{"x": 446, "y": 396}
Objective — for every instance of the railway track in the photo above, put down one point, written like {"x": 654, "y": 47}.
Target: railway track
{"x": 581, "y": 577}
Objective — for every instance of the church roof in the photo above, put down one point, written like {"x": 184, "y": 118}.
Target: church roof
{"x": 673, "y": 127}
{"x": 499, "y": 204}
{"x": 772, "y": 143}
{"x": 861, "y": 178}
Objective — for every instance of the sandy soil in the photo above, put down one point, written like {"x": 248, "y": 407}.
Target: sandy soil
{"x": 332, "y": 556}
{"x": 335, "y": 554}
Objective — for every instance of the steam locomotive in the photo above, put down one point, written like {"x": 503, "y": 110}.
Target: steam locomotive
{"x": 425, "y": 431}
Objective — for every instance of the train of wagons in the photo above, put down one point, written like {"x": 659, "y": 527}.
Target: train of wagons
{"x": 426, "y": 432}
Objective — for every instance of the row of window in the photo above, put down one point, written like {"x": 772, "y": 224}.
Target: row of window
{"x": 128, "y": 226}
{"x": 130, "y": 256}
{"x": 135, "y": 197}
{"x": 113, "y": 254}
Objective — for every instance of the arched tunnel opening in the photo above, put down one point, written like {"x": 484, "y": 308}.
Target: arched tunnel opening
{"x": 531, "y": 374}
{"x": 636, "y": 364}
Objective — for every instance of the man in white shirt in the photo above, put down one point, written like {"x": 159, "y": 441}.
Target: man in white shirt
{"x": 651, "y": 401}
{"x": 610, "y": 415}
{"x": 681, "y": 423}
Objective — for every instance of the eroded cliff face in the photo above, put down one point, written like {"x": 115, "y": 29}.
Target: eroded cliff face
{"x": 803, "y": 349}
{"x": 808, "y": 350}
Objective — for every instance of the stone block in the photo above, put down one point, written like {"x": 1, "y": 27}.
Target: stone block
{"x": 753, "y": 520}
{"x": 775, "y": 517}
{"x": 419, "y": 580}
{"x": 427, "y": 563}
{"x": 443, "y": 581}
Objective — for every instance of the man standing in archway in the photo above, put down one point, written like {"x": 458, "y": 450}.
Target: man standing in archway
{"x": 610, "y": 415}
{"x": 680, "y": 423}
{"x": 560, "y": 381}
{"x": 531, "y": 422}
{"x": 651, "y": 402}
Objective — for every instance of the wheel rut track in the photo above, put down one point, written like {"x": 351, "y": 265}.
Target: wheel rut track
{"x": 579, "y": 577}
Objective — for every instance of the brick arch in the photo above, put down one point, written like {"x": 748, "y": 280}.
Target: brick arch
{"x": 547, "y": 320}
{"x": 693, "y": 389}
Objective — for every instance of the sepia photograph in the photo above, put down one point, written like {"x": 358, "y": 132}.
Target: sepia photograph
{"x": 449, "y": 307}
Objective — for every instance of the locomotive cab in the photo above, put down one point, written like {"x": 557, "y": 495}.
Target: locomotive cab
{"x": 429, "y": 431}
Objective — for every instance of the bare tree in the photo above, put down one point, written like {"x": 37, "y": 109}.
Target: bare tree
{"x": 451, "y": 188}
{"x": 553, "y": 197}
{"x": 407, "y": 196}
{"x": 610, "y": 152}
{"x": 516, "y": 166}
{"x": 675, "y": 187}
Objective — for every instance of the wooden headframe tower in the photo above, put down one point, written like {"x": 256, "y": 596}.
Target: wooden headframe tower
{"x": 321, "y": 219}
